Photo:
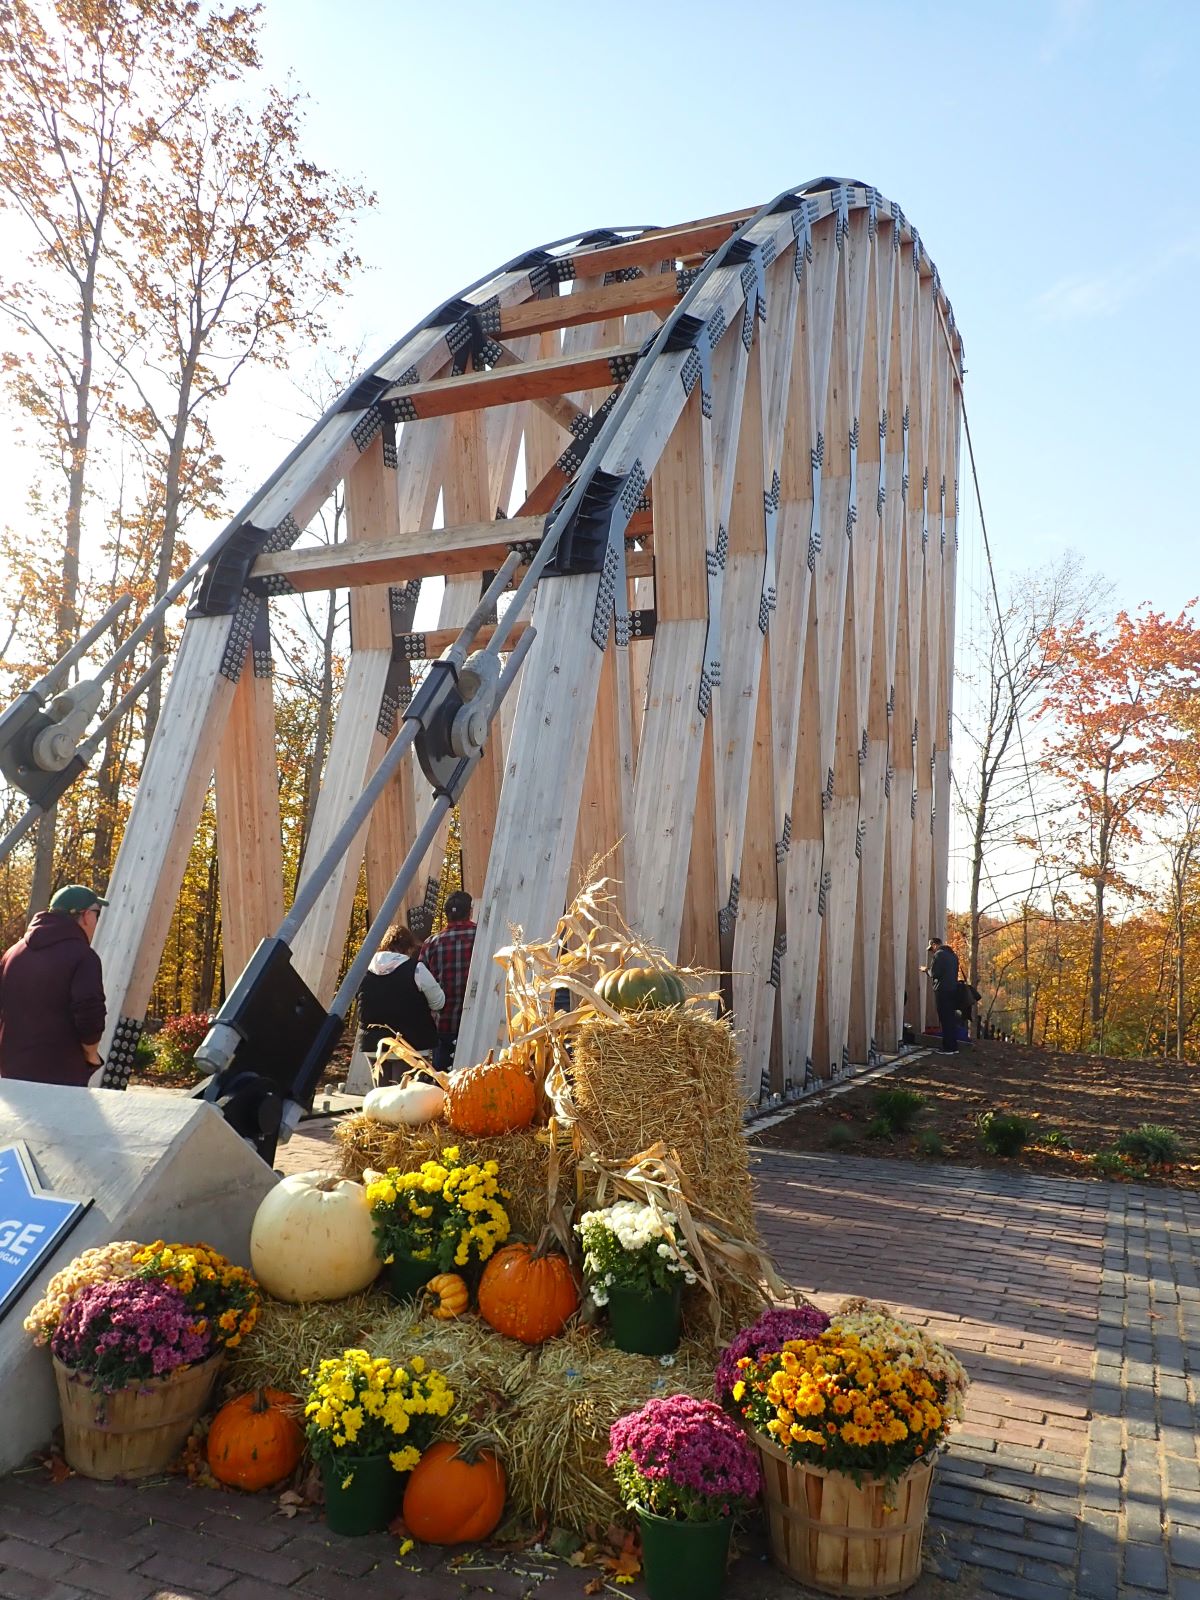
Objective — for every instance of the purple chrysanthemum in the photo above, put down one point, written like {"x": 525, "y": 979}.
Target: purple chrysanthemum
{"x": 685, "y": 1458}
{"x": 128, "y": 1330}
{"x": 769, "y": 1334}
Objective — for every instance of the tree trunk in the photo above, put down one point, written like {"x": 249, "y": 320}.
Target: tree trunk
{"x": 43, "y": 864}
{"x": 1025, "y": 958}
{"x": 1097, "y": 972}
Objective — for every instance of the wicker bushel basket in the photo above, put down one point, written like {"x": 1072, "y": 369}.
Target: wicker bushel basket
{"x": 133, "y": 1432}
{"x": 830, "y": 1534}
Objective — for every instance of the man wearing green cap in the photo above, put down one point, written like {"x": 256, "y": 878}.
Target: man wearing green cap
{"x": 52, "y": 994}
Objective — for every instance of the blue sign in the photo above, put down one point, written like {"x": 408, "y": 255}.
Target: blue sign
{"x": 33, "y": 1222}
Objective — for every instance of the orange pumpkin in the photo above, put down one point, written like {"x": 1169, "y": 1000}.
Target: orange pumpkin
{"x": 454, "y": 1496}
{"x": 494, "y": 1097}
{"x": 526, "y": 1294}
{"x": 255, "y": 1440}
{"x": 451, "y": 1293}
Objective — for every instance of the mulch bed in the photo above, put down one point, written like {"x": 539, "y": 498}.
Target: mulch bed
{"x": 155, "y": 1076}
{"x": 1091, "y": 1100}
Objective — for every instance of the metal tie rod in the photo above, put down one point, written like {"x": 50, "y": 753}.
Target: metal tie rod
{"x": 314, "y": 882}
{"x": 384, "y": 917}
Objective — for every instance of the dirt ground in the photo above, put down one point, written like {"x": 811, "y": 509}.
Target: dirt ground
{"x": 1088, "y": 1101}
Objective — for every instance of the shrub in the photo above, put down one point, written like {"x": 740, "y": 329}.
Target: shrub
{"x": 899, "y": 1108}
{"x": 177, "y": 1041}
{"x": 880, "y": 1128}
{"x": 1151, "y": 1143}
{"x": 929, "y": 1143}
{"x": 1002, "y": 1134}
{"x": 840, "y": 1137}
{"x": 1054, "y": 1139}
{"x": 144, "y": 1055}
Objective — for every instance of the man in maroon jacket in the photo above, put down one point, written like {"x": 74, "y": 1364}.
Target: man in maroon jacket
{"x": 52, "y": 994}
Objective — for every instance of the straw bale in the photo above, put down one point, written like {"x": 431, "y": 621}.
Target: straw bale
{"x": 549, "y": 1408}
{"x": 287, "y": 1339}
{"x": 670, "y": 1075}
{"x": 523, "y": 1158}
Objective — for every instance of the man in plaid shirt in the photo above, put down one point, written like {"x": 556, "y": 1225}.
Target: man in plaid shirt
{"x": 448, "y": 957}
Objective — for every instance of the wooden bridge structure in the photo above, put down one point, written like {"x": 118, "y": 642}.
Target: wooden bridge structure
{"x": 741, "y": 434}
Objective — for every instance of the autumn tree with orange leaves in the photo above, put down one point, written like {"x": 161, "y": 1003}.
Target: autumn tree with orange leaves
{"x": 174, "y": 232}
{"x": 1117, "y": 740}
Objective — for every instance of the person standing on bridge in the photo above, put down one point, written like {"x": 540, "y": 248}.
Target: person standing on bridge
{"x": 942, "y": 967}
{"x": 448, "y": 957}
{"x": 52, "y": 994}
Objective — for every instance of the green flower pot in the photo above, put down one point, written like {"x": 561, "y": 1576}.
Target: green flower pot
{"x": 645, "y": 1324}
{"x": 684, "y": 1560}
{"x": 406, "y": 1276}
{"x": 362, "y": 1493}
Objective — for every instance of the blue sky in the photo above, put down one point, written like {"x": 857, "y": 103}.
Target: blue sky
{"x": 1045, "y": 152}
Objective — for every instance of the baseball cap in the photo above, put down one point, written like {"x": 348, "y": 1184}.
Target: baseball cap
{"x": 75, "y": 897}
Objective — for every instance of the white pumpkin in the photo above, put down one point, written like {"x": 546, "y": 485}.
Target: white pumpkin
{"x": 312, "y": 1239}
{"x": 405, "y": 1104}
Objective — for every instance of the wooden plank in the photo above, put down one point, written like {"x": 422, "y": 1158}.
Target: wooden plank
{"x": 660, "y": 244}
{"x": 354, "y": 750}
{"x": 657, "y": 291}
{"x": 530, "y": 861}
{"x": 158, "y": 837}
{"x": 668, "y": 763}
{"x": 372, "y": 515}
{"x": 426, "y": 553}
{"x": 502, "y": 385}
{"x": 249, "y": 843}
{"x": 466, "y": 494}
{"x": 361, "y": 731}
{"x": 606, "y": 801}
{"x": 801, "y": 960}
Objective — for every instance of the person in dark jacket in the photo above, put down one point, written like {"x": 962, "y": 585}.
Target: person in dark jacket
{"x": 942, "y": 967}
{"x": 398, "y": 996}
{"x": 52, "y": 994}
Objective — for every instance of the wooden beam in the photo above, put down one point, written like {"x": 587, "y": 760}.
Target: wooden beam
{"x": 154, "y": 848}
{"x": 428, "y": 553}
{"x": 661, "y": 244}
{"x": 536, "y": 818}
{"x": 655, "y": 291}
{"x": 249, "y": 845}
{"x": 530, "y": 380}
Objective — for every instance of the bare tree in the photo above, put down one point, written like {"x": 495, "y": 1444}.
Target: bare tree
{"x": 1011, "y": 667}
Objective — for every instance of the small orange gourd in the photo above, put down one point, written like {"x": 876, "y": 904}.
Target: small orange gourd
{"x": 454, "y": 1496}
{"x": 451, "y": 1293}
{"x": 494, "y": 1097}
{"x": 527, "y": 1294}
{"x": 255, "y": 1440}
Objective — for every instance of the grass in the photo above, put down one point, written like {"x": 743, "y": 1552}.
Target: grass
{"x": 1002, "y": 1134}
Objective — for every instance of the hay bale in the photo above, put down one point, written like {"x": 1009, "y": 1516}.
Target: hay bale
{"x": 286, "y": 1339}
{"x": 548, "y": 1408}
{"x": 523, "y": 1158}
{"x": 671, "y": 1075}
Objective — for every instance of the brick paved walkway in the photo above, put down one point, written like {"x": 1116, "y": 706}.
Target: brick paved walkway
{"x": 1074, "y": 1305}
